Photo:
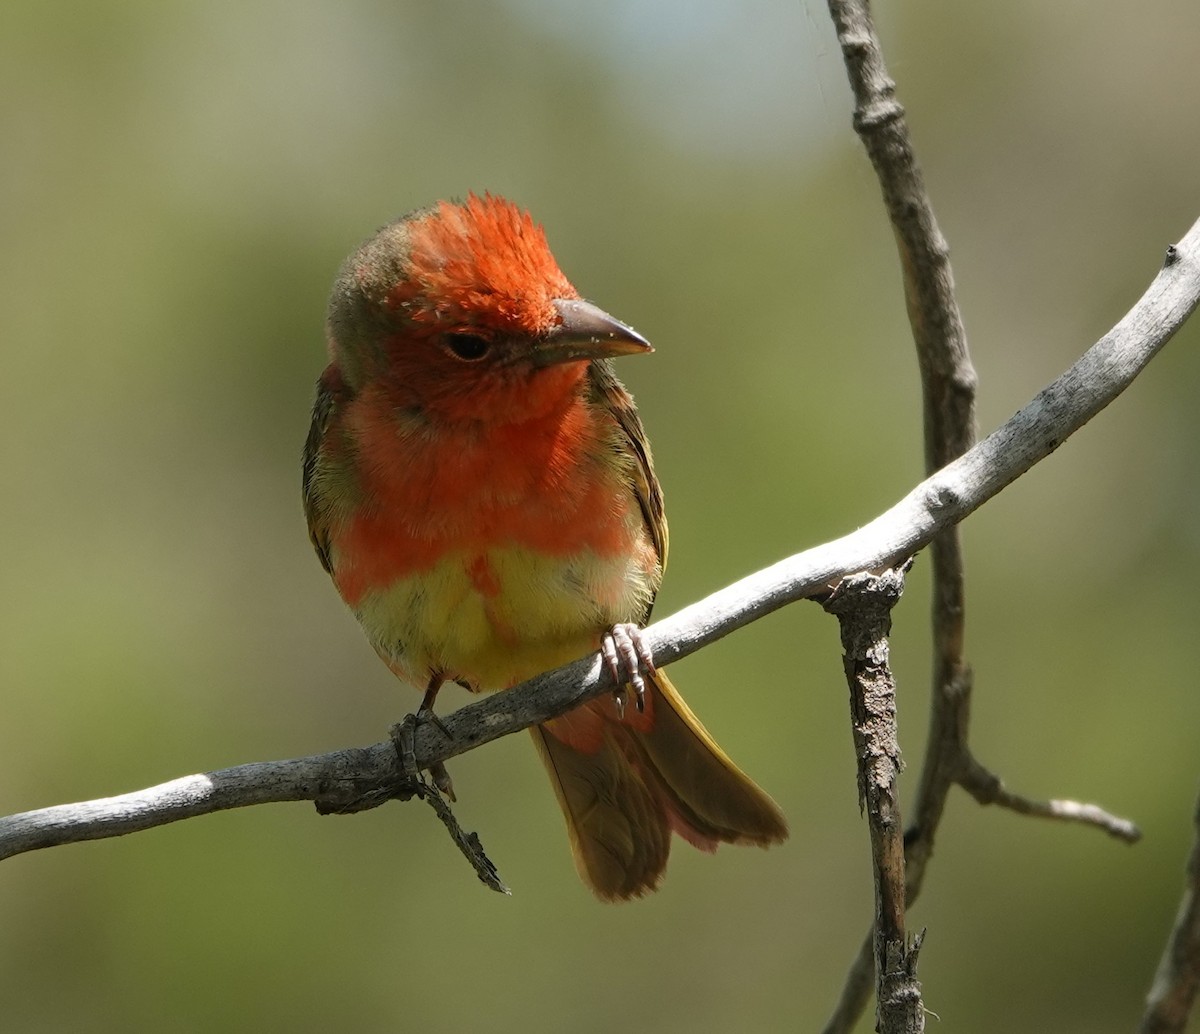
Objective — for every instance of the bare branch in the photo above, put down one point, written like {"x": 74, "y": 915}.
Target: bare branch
{"x": 948, "y": 378}
{"x": 937, "y": 503}
{"x": 341, "y": 773}
{"x": 987, "y": 788}
{"x": 948, "y": 389}
{"x": 1178, "y": 978}
{"x": 467, "y": 843}
{"x": 948, "y": 382}
{"x": 863, "y": 605}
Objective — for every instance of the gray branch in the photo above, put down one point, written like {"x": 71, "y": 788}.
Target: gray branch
{"x": 988, "y": 788}
{"x": 948, "y": 385}
{"x": 948, "y": 388}
{"x": 339, "y": 779}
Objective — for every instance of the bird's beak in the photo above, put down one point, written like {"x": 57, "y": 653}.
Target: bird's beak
{"x": 587, "y": 332}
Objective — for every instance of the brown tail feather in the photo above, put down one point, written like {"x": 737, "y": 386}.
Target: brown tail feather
{"x": 625, "y": 789}
{"x": 715, "y": 797}
{"x": 618, "y": 831}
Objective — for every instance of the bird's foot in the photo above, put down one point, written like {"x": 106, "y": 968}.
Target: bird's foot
{"x": 628, "y": 658}
{"x": 404, "y": 734}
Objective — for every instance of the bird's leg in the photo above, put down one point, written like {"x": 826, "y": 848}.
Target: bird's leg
{"x": 404, "y": 740}
{"x": 404, "y": 734}
{"x": 627, "y": 655}
{"x": 425, "y": 712}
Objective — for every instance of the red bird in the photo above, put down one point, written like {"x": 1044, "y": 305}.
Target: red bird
{"x": 479, "y": 486}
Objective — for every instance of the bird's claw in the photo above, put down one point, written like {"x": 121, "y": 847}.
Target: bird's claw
{"x": 627, "y": 655}
{"x": 404, "y": 735}
{"x": 619, "y": 702}
{"x": 441, "y": 779}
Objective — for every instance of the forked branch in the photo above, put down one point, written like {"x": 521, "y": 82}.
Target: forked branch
{"x": 948, "y": 386}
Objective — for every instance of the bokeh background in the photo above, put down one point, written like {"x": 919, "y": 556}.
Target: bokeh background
{"x": 178, "y": 184}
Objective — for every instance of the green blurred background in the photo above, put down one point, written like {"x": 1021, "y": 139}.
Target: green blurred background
{"x": 178, "y": 184}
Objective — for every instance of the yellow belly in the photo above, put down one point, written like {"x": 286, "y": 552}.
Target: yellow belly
{"x": 493, "y": 619}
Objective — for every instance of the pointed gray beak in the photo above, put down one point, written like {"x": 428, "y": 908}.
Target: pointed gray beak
{"x": 587, "y": 332}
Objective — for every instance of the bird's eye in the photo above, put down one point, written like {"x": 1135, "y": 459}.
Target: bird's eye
{"x": 468, "y": 347}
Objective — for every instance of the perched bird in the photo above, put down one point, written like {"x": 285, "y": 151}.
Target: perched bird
{"x": 478, "y": 484}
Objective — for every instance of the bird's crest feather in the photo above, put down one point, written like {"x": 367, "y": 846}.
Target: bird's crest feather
{"x": 481, "y": 263}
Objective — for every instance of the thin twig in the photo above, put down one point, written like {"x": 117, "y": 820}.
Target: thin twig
{"x": 1098, "y": 377}
{"x": 1173, "y": 992}
{"x": 468, "y": 843}
{"x": 987, "y": 788}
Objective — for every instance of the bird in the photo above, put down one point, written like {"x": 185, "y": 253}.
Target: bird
{"x": 479, "y": 486}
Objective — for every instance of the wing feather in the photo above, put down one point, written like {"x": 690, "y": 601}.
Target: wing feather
{"x": 610, "y": 392}
{"x": 315, "y": 513}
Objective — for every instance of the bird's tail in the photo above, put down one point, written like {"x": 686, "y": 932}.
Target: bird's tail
{"x": 626, "y": 783}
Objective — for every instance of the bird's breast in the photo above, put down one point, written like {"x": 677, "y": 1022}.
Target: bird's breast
{"x": 491, "y": 554}
{"x": 493, "y": 618}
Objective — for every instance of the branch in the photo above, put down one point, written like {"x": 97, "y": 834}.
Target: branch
{"x": 341, "y": 777}
{"x": 1178, "y": 977}
{"x": 948, "y": 384}
{"x": 948, "y": 379}
{"x": 863, "y": 606}
{"x": 988, "y": 788}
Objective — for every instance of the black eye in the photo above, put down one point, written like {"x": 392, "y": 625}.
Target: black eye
{"x": 469, "y": 347}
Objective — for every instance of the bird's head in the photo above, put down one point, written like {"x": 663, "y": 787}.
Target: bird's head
{"x": 461, "y": 312}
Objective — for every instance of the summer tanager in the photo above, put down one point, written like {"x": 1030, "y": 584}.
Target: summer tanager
{"x": 478, "y": 484}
